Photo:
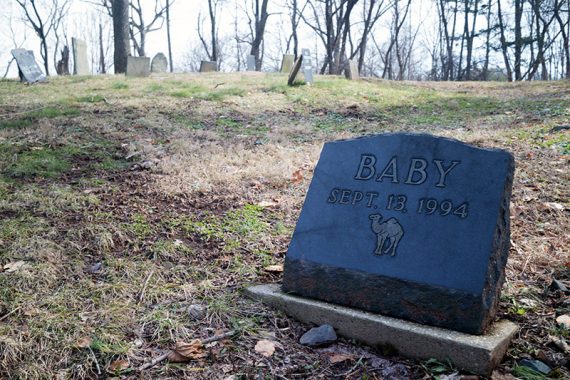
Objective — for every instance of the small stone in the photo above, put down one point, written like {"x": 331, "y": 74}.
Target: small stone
{"x": 564, "y": 321}
{"x": 558, "y": 285}
{"x": 318, "y": 336}
{"x": 196, "y": 312}
{"x": 536, "y": 365}
{"x": 95, "y": 268}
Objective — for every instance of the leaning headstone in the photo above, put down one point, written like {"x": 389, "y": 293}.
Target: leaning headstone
{"x": 138, "y": 66}
{"x": 303, "y": 65}
{"x": 287, "y": 63}
{"x": 351, "y": 71}
{"x": 80, "y": 62}
{"x": 251, "y": 62}
{"x": 28, "y": 69}
{"x": 208, "y": 66}
{"x": 159, "y": 64}
{"x": 412, "y": 226}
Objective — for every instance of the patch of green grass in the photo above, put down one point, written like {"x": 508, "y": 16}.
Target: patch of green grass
{"x": 41, "y": 162}
{"x": 333, "y": 122}
{"x": 221, "y": 94}
{"x": 139, "y": 226}
{"x": 119, "y": 86}
{"x": 30, "y": 117}
{"x": 91, "y": 99}
{"x": 154, "y": 88}
{"x": 227, "y": 122}
{"x": 525, "y": 373}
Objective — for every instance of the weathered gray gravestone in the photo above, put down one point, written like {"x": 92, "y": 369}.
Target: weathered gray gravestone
{"x": 208, "y": 66}
{"x": 28, "y": 69}
{"x": 287, "y": 63}
{"x": 80, "y": 62}
{"x": 159, "y": 64}
{"x": 351, "y": 71}
{"x": 305, "y": 64}
{"x": 138, "y": 66}
{"x": 251, "y": 62}
{"x": 410, "y": 226}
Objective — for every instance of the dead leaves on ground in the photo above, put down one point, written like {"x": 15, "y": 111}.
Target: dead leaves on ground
{"x": 185, "y": 352}
{"x": 118, "y": 366}
{"x": 13, "y": 267}
{"x": 265, "y": 347}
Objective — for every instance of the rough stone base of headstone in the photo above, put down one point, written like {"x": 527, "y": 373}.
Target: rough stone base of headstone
{"x": 478, "y": 354}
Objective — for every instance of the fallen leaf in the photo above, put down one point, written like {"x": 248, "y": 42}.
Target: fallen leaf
{"x": 192, "y": 350}
{"x": 265, "y": 347}
{"x": 83, "y": 342}
{"x": 175, "y": 357}
{"x": 564, "y": 321}
{"x": 12, "y": 267}
{"x": 297, "y": 177}
{"x": 268, "y": 204}
{"x": 554, "y": 206}
{"x": 118, "y": 366}
{"x": 339, "y": 358}
{"x": 274, "y": 268}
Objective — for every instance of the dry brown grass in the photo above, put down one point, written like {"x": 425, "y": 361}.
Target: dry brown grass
{"x": 228, "y": 160}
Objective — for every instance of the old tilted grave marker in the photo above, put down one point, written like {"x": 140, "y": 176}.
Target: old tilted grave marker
{"x": 251, "y": 62}
{"x": 80, "y": 62}
{"x": 159, "y": 63}
{"x": 287, "y": 63}
{"x": 138, "y": 66}
{"x": 411, "y": 226}
{"x": 305, "y": 63}
{"x": 29, "y": 70}
{"x": 351, "y": 71}
{"x": 208, "y": 66}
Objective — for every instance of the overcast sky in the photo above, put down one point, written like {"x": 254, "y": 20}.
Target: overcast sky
{"x": 83, "y": 17}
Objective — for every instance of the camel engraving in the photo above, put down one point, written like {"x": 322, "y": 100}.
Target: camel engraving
{"x": 390, "y": 230}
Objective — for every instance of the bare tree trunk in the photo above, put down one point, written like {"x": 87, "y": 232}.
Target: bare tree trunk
{"x": 504, "y": 46}
{"x": 565, "y": 36}
{"x": 120, "y": 11}
{"x": 102, "y": 68}
{"x": 214, "y": 39}
{"x": 261, "y": 15}
{"x": 168, "y": 3}
{"x": 518, "y": 38}
{"x": 485, "y": 75}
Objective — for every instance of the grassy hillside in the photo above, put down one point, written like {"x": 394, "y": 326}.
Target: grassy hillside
{"x": 129, "y": 205}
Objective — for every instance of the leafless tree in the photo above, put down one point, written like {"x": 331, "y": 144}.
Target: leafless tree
{"x": 139, "y": 27}
{"x": 257, "y": 20}
{"x": 330, "y": 20}
{"x": 120, "y": 13}
{"x": 211, "y": 46}
{"x": 45, "y": 18}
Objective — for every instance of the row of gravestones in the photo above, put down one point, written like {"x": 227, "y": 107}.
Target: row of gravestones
{"x": 29, "y": 70}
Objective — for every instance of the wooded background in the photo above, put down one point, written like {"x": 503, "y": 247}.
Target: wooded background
{"x": 392, "y": 39}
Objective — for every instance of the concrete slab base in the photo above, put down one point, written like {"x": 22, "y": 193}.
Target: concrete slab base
{"x": 472, "y": 353}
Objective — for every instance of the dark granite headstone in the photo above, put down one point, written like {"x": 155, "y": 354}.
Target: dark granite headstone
{"x": 28, "y": 68}
{"x": 412, "y": 226}
{"x": 251, "y": 62}
{"x": 208, "y": 66}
